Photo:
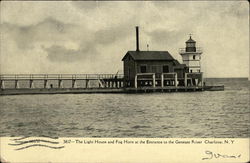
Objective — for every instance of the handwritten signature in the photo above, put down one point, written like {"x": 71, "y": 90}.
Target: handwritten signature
{"x": 211, "y": 155}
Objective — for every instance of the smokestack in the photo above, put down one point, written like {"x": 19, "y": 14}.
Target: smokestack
{"x": 137, "y": 38}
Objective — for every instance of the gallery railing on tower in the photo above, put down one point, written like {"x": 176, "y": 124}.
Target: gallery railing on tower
{"x": 183, "y": 50}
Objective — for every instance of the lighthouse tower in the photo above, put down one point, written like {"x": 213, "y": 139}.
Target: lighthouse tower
{"x": 191, "y": 56}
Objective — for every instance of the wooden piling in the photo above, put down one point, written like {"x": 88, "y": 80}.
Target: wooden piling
{"x": 162, "y": 80}
{"x": 191, "y": 82}
{"x": 175, "y": 80}
{"x": 73, "y": 83}
{"x": 31, "y": 84}
{"x": 45, "y": 83}
{"x": 202, "y": 79}
{"x": 2, "y": 84}
{"x": 153, "y": 80}
{"x": 185, "y": 80}
{"x": 87, "y": 83}
{"x": 16, "y": 84}
{"x": 136, "y": 81}
{"x": 60, "y": 83}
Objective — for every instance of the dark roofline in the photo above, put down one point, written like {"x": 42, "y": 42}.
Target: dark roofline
{"x": 169, "y": 57}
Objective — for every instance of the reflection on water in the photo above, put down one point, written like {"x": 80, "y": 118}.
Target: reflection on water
{"x": 195, "y": 114}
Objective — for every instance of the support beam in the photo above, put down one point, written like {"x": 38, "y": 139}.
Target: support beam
{"x": 45, "y": 83}
{"x": 162, "y": 80}
{"x": 175, "y": 80}
{"x": 87, "y": 83}
{"x": 60, "y": 83}
{"x": 201, "y": 79}
{"x": 118, "y": 84}
{"x": 16, "y": 84}
{"x": 2, "y": 84}
{"x": 31, "y": 84}
{"x": 185, "y": 80}
{"x": 99, "y": 82}
{"x": 136, "y": 81}
{"x": 74, "y": 83}
{"x": 153, "y": 80}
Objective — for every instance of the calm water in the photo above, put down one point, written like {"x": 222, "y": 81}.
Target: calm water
{"x": 195, "y": 114}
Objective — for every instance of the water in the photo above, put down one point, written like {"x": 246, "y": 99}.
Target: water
{"x": 190, "y": 114}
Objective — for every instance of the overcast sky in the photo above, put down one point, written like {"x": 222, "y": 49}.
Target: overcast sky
{"x": 92, "y": 37}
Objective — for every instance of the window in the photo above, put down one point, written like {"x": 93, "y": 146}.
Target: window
{"x": 190, "y": 44}
{"x": 165, "y": 69}
{"x": 143, "y": 69}
{"x": 193, "y": 57}
{"x": 191, "y": 71}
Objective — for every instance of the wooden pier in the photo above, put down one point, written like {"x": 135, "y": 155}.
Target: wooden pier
{"x": 103, "y": 80}
{"x": 101, "y": 83}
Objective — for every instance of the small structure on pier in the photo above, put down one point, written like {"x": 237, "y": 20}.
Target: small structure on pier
{"x": 147, "y": 62}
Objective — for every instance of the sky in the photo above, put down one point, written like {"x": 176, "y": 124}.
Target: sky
{"x": 92, "y": 37}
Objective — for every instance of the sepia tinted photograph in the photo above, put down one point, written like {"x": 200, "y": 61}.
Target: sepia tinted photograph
{"x": 124, "y": 69}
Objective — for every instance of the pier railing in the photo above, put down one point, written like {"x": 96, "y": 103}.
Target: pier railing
{"x": 50, "y": 80}
{"x": 59, "y": 76}
{"x": 168, "y": 79}
{"x": 183, "y": 50}
{"x": 165, "y": 79}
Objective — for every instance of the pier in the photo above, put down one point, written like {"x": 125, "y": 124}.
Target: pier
{"x": 57, "y": 80}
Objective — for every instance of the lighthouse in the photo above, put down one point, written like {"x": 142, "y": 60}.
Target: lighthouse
{"x": 191, "y": 56}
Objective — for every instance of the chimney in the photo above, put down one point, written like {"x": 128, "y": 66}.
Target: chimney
{"x": 137, "y": 38}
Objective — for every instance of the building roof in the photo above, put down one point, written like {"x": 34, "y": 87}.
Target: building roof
{"x": 149, "y": 55}
{"x": 180, "y": 66}
{"x": 176, "y": 62}
{"x": 190, "y": 40}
